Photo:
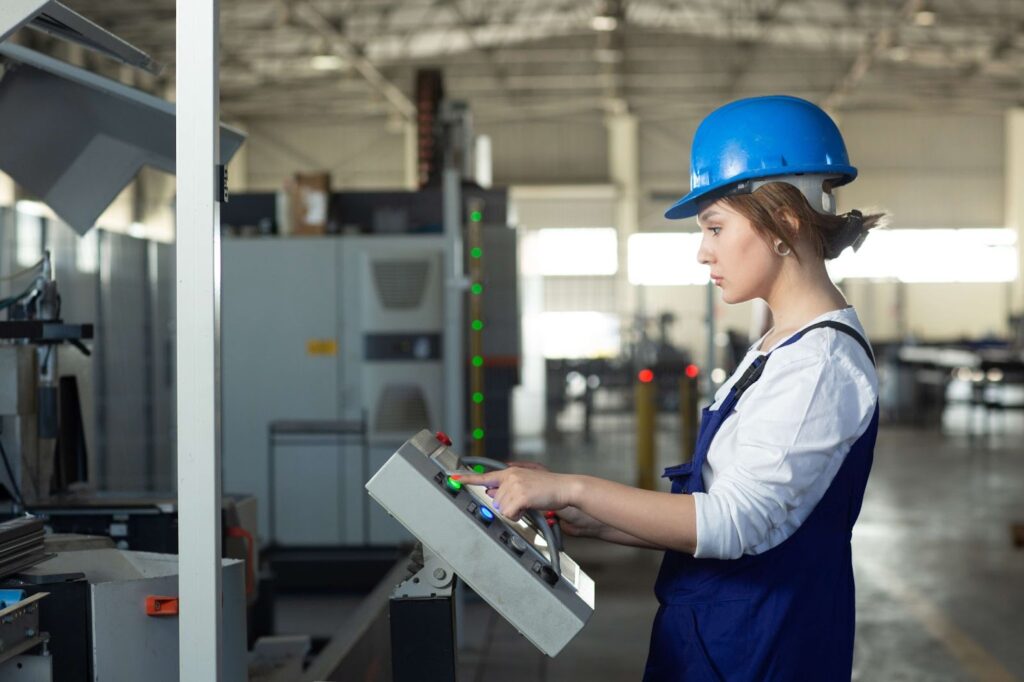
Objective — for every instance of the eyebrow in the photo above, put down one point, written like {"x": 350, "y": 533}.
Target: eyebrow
{"x": 706, "y": 215}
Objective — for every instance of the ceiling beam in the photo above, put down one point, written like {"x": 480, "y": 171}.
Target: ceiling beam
{"x": 874, "y": 46}
{"x": 305, "y": 12}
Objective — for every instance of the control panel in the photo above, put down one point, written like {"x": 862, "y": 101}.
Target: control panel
{"x": 512, "y": 565}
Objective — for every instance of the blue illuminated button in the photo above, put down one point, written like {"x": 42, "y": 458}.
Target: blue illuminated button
{"x": 486, "y": 515}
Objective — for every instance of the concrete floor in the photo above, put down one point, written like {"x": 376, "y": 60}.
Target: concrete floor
{"x": 940, "y": 585}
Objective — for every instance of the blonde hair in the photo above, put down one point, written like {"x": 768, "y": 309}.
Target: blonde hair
{"x": 773, "y": 206}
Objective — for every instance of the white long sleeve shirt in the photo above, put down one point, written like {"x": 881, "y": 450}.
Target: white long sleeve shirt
{"x": 772, "y": 461}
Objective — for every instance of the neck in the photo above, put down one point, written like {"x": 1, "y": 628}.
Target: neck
{"x": 802, "y": 292}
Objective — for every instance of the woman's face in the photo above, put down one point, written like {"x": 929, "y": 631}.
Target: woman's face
{"x": 742, "y": 263}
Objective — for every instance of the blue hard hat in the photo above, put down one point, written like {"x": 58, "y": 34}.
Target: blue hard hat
{"x": 761, "y": 137}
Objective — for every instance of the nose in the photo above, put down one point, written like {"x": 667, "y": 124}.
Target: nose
{"x": 704, "y": 255}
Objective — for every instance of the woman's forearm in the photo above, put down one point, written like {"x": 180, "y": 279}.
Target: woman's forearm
{"x": 609, "y": 534}
{"x": 657, "y": 519}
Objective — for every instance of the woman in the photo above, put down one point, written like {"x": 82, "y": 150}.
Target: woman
{"x": 757, "y": 581}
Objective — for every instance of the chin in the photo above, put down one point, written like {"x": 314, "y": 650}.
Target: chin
{"x": 733, "y": 298}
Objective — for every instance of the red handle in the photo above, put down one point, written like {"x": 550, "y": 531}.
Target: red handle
{"x": 161, "y": 606}
{"x": 250, "y": 545}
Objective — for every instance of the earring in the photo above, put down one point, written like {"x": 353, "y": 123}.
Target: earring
{"x": 779, "y": 246}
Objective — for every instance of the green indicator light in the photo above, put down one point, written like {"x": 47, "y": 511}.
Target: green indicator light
{"x": 478, "y": 397}
{"x": 453, "y": 484}
{"x": 479, "y": 468}
{"x": 477, "y": 325}
{"x": 476, "y": 252}
{"x": 478, "y": 434}
{"x": 476, "y": 216}
{"x": 478, "y": 361}
{"x": 477, "y": 288}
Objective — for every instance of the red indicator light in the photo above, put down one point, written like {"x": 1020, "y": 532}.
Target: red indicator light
{"x": 645, "y": 376}
{"x": 692, "y": 371}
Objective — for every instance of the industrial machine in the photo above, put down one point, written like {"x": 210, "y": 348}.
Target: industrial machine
{"x": 357, "y": 340}
{"x": 46, "y": 452}
{"x": 517, "y": 567}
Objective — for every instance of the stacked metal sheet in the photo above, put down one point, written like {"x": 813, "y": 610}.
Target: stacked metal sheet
{"x": 21, "y": 544}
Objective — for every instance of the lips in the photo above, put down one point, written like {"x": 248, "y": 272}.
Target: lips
{"x": 716, "y": 279}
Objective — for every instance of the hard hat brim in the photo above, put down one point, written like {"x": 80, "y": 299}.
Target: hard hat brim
{"x": 687, "y": 206}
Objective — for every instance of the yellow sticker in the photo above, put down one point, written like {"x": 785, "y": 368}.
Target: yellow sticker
{"x": 321, "y": 347}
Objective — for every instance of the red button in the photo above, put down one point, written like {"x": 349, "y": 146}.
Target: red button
{"x": 443, "y": 438}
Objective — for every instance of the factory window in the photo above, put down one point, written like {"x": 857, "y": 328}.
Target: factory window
{"x": 906, "y": 255}
{"x": 932, "y": 255}
{"x": 665, "y": 258}
{"x": 580, "y": 334}
{"x": 87, "y": 255}
{"x": 575, "y": 251}
{"x": 30, "y": 239}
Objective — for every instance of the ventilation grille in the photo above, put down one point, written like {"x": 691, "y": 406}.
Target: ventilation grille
{"x": 402, "y": 408}
{"x": 400, "y": 283}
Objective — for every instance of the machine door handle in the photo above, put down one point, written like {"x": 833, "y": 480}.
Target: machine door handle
{"x": 161, "y": 606}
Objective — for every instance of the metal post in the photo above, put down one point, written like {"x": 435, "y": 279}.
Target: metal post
{"x": 646, "y": 393}
{"x": 687, "y": 416}
{"x": 197, "y": 313}
{"x": 453, "y": 120}
{"x": 424, "y": 623}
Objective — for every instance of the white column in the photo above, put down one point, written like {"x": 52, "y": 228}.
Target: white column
{"x": 198, "y": 289}
{"x": 624, "y": 171}
{"x": 1014, "y": 198}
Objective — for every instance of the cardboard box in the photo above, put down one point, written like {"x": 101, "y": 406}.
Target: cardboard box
{"x": 309, "y": 196}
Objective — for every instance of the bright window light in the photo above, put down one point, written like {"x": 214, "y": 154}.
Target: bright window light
{"x": 932, "y": 255}
{"x": 580, "y": 334}
{"x": 30, "y": 239}
{"x": 576, "y": 251}
{"x": 87, "y": 255}
{"x": 665, "y": 258}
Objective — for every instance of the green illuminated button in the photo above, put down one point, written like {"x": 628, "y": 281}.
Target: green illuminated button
{"x": 479, "y": 468}
{"x": 478, "y": 397}
{"x": 476, "y": 216}
{"x": 477, "y": 288}
{"x": 478, "y": 325}
{"x": 478, "y": 434}
{"x": 478, "y": 361}
{"x": 453, "y": 484}
{"x": 476, "y": 252}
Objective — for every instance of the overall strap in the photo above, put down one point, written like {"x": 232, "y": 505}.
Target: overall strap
{"x": 753, "y": 372}
{"x": 844, "y": 328}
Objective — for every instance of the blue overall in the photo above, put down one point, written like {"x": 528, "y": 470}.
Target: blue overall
{"x": 784, "y": 614}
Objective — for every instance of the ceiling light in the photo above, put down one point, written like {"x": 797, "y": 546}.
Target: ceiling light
{"x": 924, "y": 18}
{"x": 327, "y": 62}
{"x": 603, "y": 22}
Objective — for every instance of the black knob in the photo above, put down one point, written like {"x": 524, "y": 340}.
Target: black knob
{"x": 549, "y": 575}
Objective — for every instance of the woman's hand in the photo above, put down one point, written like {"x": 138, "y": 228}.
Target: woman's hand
{"x": 579, "y": 524}
{"x": 536, "y": 466}
{"x": 519, "y": 488}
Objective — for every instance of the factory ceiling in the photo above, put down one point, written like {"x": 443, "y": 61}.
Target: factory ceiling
{"x": 520, "y": 60}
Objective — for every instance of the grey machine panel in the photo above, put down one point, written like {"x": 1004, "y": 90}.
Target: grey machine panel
{"x": 79, "y": 164}
{"x": 392, "y": 322}
{"x": 50, "y": 16}
{"x": 278, "y": 296}
{"x": 376, "y": 304}
{"x": 502, "y": 561}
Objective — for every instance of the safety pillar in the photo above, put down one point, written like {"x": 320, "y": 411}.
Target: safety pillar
{"x": 646, "y": 398}
{"x": 688, "y": 412}
{"x": 1014, "y": 199}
